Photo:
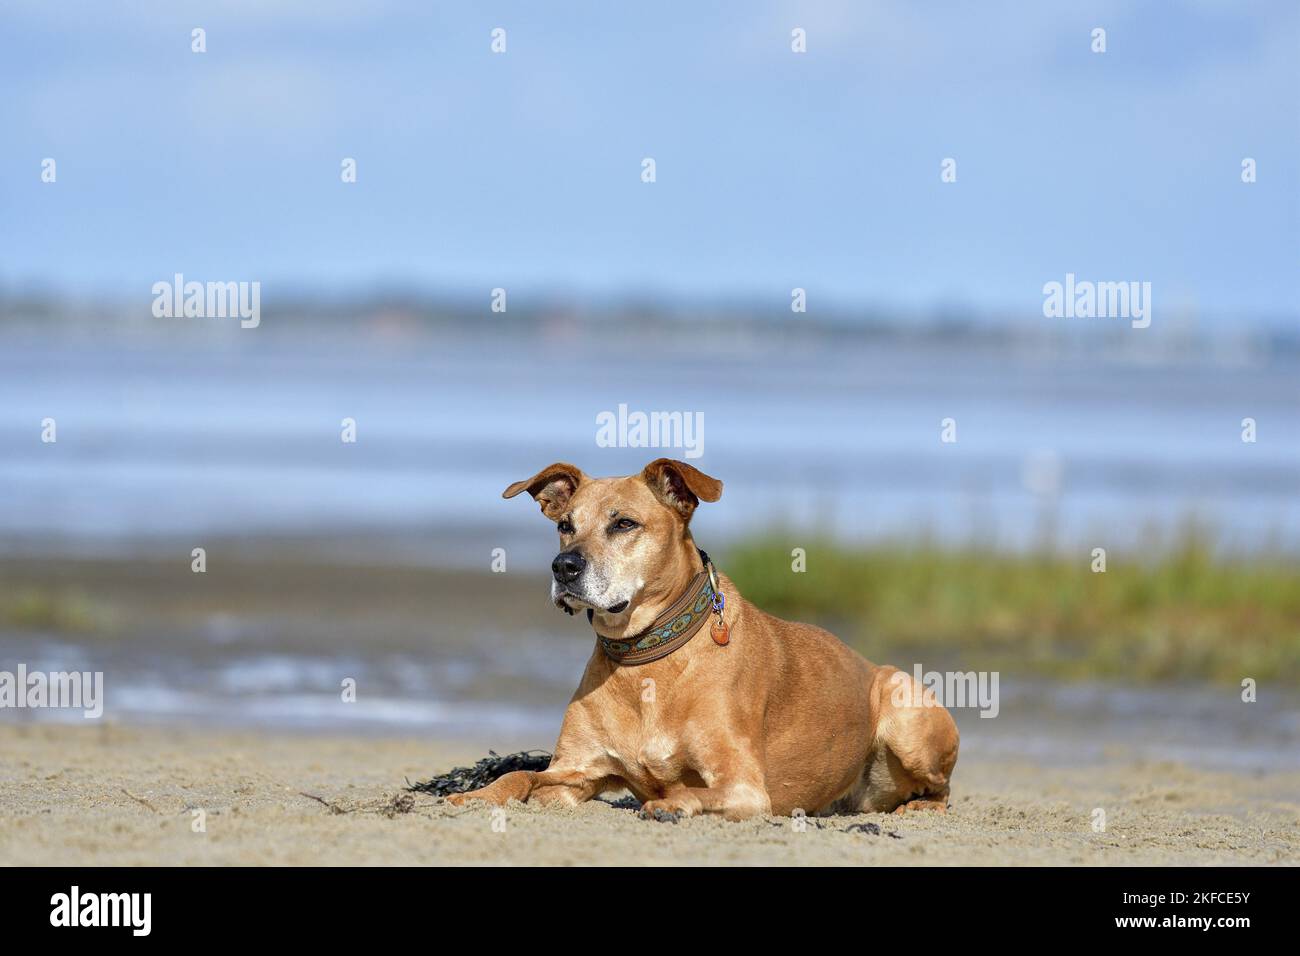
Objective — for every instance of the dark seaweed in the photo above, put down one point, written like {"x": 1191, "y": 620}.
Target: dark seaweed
{"x": 464, "y": 779}
{"x": 871, "y": 828}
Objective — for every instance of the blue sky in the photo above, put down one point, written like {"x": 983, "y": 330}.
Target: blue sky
{"x": 775, "y": 170}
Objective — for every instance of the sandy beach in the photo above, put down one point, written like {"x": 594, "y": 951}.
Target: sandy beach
{"x": 223, "y": 697}
{"x": 111, "y": 795}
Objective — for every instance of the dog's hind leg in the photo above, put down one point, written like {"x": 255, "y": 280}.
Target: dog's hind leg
{"x": 916, "y": 749}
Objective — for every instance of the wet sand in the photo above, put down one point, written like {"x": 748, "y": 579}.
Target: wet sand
{"x": 108, "y": 794}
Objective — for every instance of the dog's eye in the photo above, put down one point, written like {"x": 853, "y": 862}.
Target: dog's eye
{"x": 565, "y": 527}
{"x": 623, "y": 524}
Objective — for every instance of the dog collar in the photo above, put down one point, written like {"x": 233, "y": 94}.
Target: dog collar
{"x": 675, "y": 626}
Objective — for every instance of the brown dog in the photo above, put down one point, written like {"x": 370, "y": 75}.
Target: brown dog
{"x": 758, "y": 716}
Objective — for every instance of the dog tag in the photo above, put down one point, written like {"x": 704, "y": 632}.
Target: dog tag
{"x": 720, "y": 632}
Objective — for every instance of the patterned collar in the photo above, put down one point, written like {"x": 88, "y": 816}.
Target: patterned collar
{"x": 675, "y": 626}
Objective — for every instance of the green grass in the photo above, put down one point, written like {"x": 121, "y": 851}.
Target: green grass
{"x": 46, "y": 609}
{"x": 1176, "y": 613}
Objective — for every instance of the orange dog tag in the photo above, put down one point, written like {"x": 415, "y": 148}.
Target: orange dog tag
{"x": 720, "y": 632}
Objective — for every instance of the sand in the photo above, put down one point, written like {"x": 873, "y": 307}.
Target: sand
{"x": 108, "y": 794}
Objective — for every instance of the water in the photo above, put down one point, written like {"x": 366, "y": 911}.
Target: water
{"x": 245, "y": 439}
{"x": 241, "y": 438}
{"x": 463, "y": 694}
{"x": 498, "y": 689}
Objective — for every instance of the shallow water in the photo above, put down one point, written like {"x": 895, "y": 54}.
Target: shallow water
{"x": 245, "y": 439}
{"x": 512, "y": 692}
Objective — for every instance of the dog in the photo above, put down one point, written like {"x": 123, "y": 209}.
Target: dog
{"x": 759, "y": 716}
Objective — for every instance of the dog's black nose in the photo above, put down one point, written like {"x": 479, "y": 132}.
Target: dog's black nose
{"x": 567, "y": 566}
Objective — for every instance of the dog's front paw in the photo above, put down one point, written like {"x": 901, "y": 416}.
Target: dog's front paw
{"x": 670, "y": 809}
{"x": 660, "y": 815}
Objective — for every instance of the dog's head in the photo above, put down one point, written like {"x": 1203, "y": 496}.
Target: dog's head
{"x": 625, "y": 543}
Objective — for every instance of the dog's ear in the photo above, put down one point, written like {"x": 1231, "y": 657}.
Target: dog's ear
{"x": 552, "y": 487}
{"x": 680, "y": 486}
